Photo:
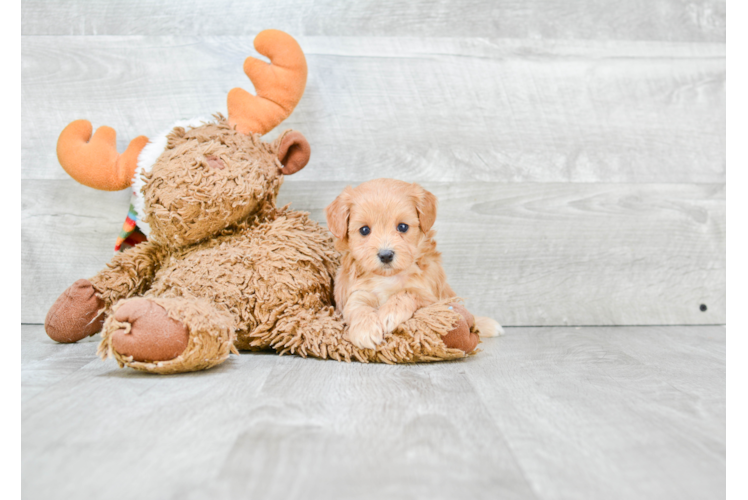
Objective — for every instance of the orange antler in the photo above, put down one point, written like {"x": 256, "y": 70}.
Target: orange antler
{"x": 94, "y": 161}
{"x": 279, "y": 85}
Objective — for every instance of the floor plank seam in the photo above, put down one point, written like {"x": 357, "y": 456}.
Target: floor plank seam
{"x": 531, "y": 485}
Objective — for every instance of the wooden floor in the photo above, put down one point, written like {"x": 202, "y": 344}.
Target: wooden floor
{"x": 541, "y": 413}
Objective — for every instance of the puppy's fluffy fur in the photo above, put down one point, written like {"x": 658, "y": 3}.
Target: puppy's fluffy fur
{"x": 390, "y": 267}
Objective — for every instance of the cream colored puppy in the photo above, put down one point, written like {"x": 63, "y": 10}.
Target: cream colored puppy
{"x": 390, "y": 267}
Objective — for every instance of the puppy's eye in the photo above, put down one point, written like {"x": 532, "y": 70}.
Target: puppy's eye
{"x": 364, "y": 230}
{"x": 402, "y": 227}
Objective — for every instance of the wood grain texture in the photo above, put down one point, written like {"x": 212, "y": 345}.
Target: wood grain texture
{"x": 426, "y": 109}
{"x": 737, "y": 412}
{"x": 671, "y": 20}
{"x": 525, "y": 254}
{"x": 66, "y": 230}
{"x": 735, "y": 201}
{"x": 613, "y": 399}
{"x": 735, "y": 105}
{"x": 541, "y": 413}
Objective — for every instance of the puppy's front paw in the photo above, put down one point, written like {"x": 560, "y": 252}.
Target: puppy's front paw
{"x": 366, "y": 333}
{"x": 392, "y": 319}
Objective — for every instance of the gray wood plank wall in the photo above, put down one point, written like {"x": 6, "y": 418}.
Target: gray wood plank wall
{"x": 659, "y": 20}
{"x": 577, "y": 147}
{"x": 735, "y": 131}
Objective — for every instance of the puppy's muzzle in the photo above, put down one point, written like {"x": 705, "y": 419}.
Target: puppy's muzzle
{"x": 386, "y": 256}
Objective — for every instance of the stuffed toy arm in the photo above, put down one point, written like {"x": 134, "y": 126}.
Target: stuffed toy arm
{"x": 81, "y": 309}
{"x": 129, "y": 273}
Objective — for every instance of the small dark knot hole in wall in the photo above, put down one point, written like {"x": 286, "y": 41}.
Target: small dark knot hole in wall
{"x": 702, "y": 307}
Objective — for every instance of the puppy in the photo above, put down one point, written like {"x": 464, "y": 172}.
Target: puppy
{"x": 390, "y": 267}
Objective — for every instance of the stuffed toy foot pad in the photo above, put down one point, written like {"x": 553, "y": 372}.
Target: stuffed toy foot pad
{"x": 168, "y": 335}
{"x": 462, "y": 336}
{"x": 76, "y": 314}
{"x": 149, "y": 333}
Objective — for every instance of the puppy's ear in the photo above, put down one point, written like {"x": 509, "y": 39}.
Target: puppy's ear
{"x": 426, "y": 207}
{"x": 337, "y": 214}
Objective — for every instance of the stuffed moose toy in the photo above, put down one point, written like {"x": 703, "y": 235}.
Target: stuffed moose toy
{"x": 209, "y": 264}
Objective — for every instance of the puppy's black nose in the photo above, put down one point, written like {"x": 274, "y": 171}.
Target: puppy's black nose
{"x": 386, "y": 256}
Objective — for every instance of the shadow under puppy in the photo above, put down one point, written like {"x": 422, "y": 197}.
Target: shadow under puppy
{"x": 390, "y": 267}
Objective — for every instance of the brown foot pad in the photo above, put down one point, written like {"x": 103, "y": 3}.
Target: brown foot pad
{"x": 74, "y": 315}
{"x": 153, "y": 335}
{"x": 461, "y": 337}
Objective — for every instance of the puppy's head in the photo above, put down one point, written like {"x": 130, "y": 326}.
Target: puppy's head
{"x": 382, "y": 223}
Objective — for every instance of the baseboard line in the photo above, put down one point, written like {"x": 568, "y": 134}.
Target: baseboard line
{"x": 552, "y": 326}
{"x": 616, "y": 326}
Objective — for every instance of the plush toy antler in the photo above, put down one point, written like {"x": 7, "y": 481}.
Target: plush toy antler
{"x": 279, "y": 85}
{"x": 94, "y": 161}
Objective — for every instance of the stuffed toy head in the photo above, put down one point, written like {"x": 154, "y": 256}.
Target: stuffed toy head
{"x": 213, "y": 176}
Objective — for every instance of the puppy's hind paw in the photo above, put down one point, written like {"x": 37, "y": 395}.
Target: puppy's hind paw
{"x": 488, "y": 327}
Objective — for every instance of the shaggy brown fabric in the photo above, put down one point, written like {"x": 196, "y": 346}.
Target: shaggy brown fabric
{"x": 189, "y": 200}
{"x": 320, "y": 334}
{"x": 235, "y": 271}
{"x": 129, "y": 273}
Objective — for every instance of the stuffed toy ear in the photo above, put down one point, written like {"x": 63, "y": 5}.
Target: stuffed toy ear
{"x": 425, "y": 206}
{"x": 337, "y": 214}
{"x": 293, "y": 151}
{"x": 94, "y": 161}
